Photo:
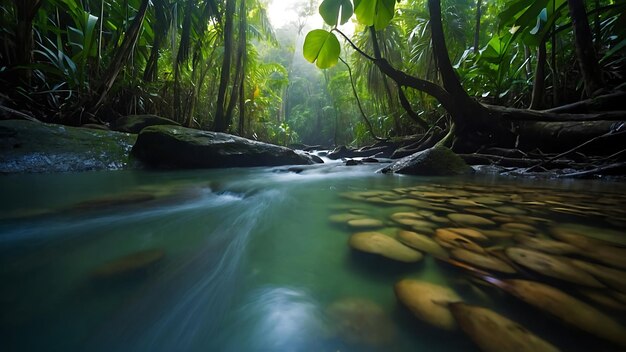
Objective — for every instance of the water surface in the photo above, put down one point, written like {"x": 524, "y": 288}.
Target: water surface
{"x": 250, "y": 260}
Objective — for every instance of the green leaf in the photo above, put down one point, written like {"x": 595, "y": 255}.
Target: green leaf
{"x": 496, "y": 48}
{"x": 509, "y": 15}
{"x": 377, "y": 13}
{"x": 330, "y": 11}
{"x": 321, "y": 47}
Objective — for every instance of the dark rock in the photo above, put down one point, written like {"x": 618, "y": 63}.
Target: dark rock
{"x": 136, "y": 123}
{"x": 352, "y": 162}
{"x": 96, "y": 126}
{"x": 436, "y": 161}
{"x": 370, "y": 160}
{"x": 338, "y": 153}
{"x": 27, "y": 146}
{"x": 312, "y": 148}
{"x": 322, "y": 153}
{"x": 295, "y": 170}
{"x": 316, "y": 158}
{"x": 180, "y": 147}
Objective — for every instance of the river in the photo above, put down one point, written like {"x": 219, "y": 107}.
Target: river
{"x": 238, "y": 260}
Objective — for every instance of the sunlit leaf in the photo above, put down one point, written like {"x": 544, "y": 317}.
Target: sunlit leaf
{"x": 322, "y": 48}
{"x": 377, "y": 13}
{"x": 336, "y": 11}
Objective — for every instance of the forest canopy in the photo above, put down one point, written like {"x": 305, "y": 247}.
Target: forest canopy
{"x": 221, "y": 65}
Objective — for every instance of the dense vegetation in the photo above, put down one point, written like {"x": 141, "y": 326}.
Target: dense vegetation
{"x": 219, "y": 65}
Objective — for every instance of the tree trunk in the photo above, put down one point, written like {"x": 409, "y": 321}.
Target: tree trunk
{"x": 556, "y": 86}
{"x": 221, "y": 123}
{"x": 26, "y": 11}
{"x": 483, "y": 125}
{"x": 450, "y": 80}
{"x": 239, "y": 57}
{"x": 586, "y": 54}
{"x": 243, "y": 40}
{"x": 477, "y": 31}
{"x": 122, "y": 55}
{"x": 539, "y": 83}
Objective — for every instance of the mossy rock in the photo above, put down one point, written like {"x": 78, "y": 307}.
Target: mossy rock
{"x": 30, "y": 147}
{"x": 186, "y": 148}
{"x": 435, "y": 161}
{"x": 136, "y": 123}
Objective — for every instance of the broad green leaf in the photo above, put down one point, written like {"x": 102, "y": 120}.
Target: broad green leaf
{"x": 510, "y": 13}
{"x": 496, "y": 48}
{"x": 330, "y": 11}
{"x": 377, "y": 13}
{"x": 322, "y": 48}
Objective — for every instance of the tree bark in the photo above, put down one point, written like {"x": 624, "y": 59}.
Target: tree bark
{"x": 608, "y": 102}
{"x": 220, "y": 123}
{"x": 243, "y": 40}
{"x": 239, "y": 57}
{"x": 539, "y": 82}
{"x": 477, "y": 31}
{"x": 585, "y": 52}
{"x": 450, "y": 80}
{"x": 122, "y": 55}
{"x": 26, "y": 11}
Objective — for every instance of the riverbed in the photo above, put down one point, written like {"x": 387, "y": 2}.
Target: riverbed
{"x": 250, "y": 259}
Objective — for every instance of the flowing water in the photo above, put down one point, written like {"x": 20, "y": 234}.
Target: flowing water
{"x": 247, "y": 259}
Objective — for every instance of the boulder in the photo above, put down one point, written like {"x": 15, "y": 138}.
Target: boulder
{"x": 361, "y": 321}
{"x": 130, "y": 266}
{"x": 436, "y": 161}
{"x": 27, "y": 146}
{"x": 428, "y": 302}
{"x": 136, "y": 123}
{"x": 383, "y": 245}
{"x": 180, "y": 147}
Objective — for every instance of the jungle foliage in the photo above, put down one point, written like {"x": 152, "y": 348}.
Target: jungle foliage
{"x": 220, "y": 65}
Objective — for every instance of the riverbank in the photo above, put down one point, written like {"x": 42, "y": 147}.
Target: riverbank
{"x": 34, "y": 147}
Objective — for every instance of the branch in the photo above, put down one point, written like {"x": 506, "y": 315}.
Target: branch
{"x": 450, "y": 80}
{"x": 403, "y": 100}
{"x": 356, "y": 48}
{"x": 409, "y": 110}
{"x": 612, "y": 132}
{"x": 595, "y": 171}
{"x": 404, "y": 80}
{"x": 512, "y": 114}
{"x": 607, "y": 102}
{"x": 370, "y": 128}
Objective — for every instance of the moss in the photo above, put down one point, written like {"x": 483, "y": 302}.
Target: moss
{"x": 27, "y": 146}
{"x": 436, "y": 161}
{"x": 136, "y": 123}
